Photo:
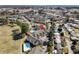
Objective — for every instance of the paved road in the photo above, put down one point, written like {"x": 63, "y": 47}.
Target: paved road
{"x": 38, "y": 50}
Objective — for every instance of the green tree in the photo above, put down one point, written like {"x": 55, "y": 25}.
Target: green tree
{"x": 18, "y": 23}
{"x": 47, "y": 26}
{"x": 50, "y": 42}
{"x": 24, "y": 28}
{"x": 49, "y": 49}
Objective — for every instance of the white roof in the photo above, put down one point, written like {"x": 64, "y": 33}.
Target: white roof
{"x": 74, "y": 38}
{"x": 58, "y": 39}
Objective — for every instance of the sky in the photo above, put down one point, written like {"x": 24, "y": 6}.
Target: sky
{"x": 39, "y": 2}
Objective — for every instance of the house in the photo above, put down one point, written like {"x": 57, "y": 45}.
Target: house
{"x": 42, "y": 27}
{"x": 70, "y": 30}
{"x": 57, "y": 38}
{"x": 32, "y": 40}
{"x": 74, "y": 38}
{"x": 12, "y": 19}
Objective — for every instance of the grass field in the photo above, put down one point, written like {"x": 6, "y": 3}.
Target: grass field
{"x": 7, "y": 44}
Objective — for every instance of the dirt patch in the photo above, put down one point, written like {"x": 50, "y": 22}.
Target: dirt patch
{"x": 7, "y": 44}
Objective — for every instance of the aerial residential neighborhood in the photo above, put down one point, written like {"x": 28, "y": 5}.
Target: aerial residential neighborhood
{"x": 39, "y": 29}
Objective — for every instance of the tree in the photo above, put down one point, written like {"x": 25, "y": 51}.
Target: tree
{"x": 75, "y": 12}
{"x": 50, "y": 42}
{"x": 77, "y": 16}
{"x": 24, "y": 28}
{"x": 49, "y": 49}
{"x": 47, "y": 26}
{"x": 18, "y": 23}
